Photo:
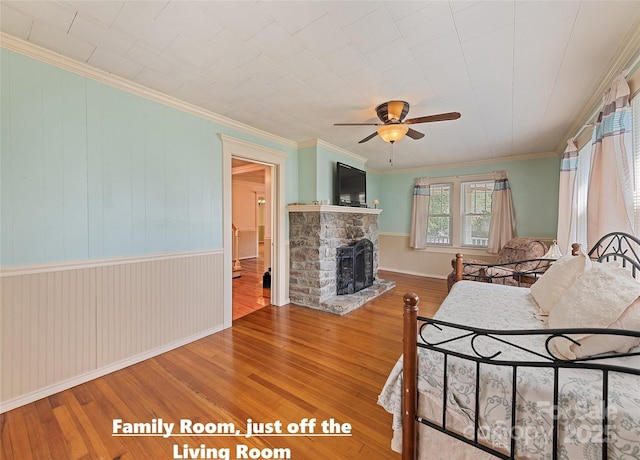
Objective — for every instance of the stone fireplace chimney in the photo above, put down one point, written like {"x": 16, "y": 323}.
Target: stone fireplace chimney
{"x": 315, "y": 234}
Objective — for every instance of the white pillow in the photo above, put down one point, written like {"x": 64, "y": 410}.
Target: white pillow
{"x": 603, "y": 297}
{"x": 596, "y": 344}
{"x": 551, "y": 286}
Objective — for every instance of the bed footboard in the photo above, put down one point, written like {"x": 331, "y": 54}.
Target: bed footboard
{"x": 416, "y": 340}
{"x": 409, "y": 376}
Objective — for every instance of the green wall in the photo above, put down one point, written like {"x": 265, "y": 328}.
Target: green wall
{"x": 317, "y": 172}
{"x": 90, "y": 171}
{"x": 326, "y": 171}
{"x": 307, "y": 177}
{"x": 534, "y": 188}
{"x": 373, "y": 187}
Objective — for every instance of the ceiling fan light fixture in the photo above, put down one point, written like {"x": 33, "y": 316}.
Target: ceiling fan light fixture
{"x": 392, "y": 133}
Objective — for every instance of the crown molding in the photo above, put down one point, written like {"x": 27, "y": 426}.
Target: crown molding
{"x": 39, "y": 53}
{"x": 324, "y": 144}
{"x": 380, "y": 172}
{"x": 308, "y": 143}
{"x": 529, "y": 156}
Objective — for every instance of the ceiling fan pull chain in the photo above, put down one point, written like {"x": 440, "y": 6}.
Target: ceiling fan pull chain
{"x": 391, "y": 153}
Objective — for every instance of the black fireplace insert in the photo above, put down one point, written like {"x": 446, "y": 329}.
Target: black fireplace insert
{"x": 354, "y": 267}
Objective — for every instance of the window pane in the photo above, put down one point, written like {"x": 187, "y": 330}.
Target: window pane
{"x": 476, "y": 212}
{"x": 438, "y": 230}
{"x": 439, "y": 224}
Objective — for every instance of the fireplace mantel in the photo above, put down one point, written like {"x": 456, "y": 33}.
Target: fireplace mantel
{"x": 331, "y": 208}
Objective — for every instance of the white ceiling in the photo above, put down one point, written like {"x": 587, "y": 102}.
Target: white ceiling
{"x": 520, "y": 72}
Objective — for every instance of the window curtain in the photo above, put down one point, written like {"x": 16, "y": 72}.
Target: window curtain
{"x": 502, "y": 226}
{"x": 635, "y": 115}
{"x": 568, "y": 198}
{"x": 611, "y": 182}
{"x": 420, "y": 216}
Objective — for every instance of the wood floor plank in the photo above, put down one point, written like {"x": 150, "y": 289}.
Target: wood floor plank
{"x": 114, "y": 407}
{"x": 96, "y": 417}
{"x": 20, "y": 441}
{"x": 94, "y": 442}
{"x": 37, "y": 436}
{"x": 54, "y": 435}
{"x": 5, "y": 437}
{"x": 277, "y": 363}
{"x": 76, "y": 447}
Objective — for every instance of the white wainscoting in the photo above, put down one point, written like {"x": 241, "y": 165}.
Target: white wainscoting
{"x": 396, "y": 255}
{"x": 64, "y": 324}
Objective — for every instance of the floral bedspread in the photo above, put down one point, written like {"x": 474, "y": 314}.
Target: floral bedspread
{"x": 580, "y": 391}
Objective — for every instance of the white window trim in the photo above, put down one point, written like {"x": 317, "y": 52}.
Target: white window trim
{"x": 456, "y": 213}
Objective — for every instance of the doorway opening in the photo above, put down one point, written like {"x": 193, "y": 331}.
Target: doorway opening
{"x": 276, "y": 160}
{"x": 251, "y": 222}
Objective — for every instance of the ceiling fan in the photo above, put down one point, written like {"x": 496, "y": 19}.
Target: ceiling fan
{"x": 394, "y": 126}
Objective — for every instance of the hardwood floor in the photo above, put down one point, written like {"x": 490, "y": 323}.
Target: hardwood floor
{"x": 248, "y": 295}
{"x": 282, "y": 364}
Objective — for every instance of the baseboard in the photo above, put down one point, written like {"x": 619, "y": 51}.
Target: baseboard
{"x": 77, "y": 380}
{"x": 409, "y": 272}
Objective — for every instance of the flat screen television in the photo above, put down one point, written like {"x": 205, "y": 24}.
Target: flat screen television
{"x": 350, "y": 186}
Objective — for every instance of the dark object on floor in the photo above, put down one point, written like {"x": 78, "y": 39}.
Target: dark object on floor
{"x": 266, "y": 279}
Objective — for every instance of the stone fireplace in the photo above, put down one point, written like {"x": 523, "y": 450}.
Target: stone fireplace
{"x": 316, "y": 232}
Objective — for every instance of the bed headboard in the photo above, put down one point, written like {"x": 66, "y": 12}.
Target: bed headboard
{"x": 616, "y": 246}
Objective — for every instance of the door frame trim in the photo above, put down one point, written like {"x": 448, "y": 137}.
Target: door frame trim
{"x": 233, "y": 147}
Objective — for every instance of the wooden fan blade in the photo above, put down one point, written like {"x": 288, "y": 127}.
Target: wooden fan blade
{"x": 413, "y": 134}
{"x": 368, "y": 138}
{"x": 430, "y": 118}
{"x": 357, "y": 124}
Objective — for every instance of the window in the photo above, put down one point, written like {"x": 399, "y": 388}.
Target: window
{"x": 476, "y": 213}
{"x": 439, "y": 223}
{"x": 460, "y": 211}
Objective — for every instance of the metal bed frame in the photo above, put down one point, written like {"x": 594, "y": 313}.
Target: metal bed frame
{"x": 614, "y": 246}
{"x": 522, "y": 271}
